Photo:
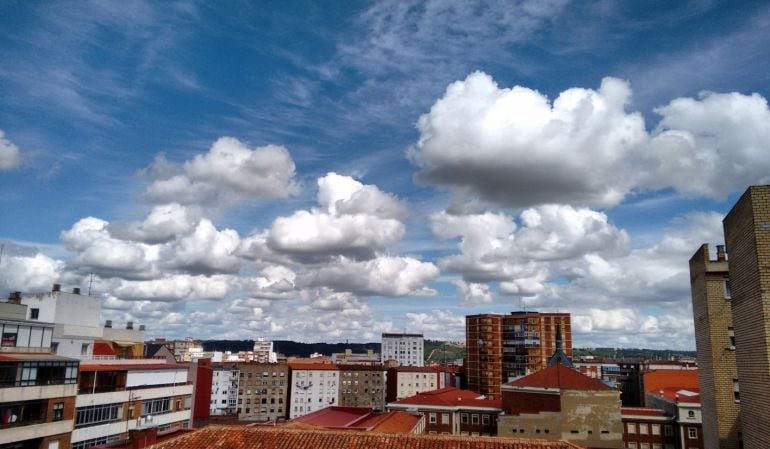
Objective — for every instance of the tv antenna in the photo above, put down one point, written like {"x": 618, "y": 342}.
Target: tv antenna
{"x": 90, "y": 283}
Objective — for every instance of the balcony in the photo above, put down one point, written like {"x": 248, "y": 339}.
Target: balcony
{"x": 15, "y": 434}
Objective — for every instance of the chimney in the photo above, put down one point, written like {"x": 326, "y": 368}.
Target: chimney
{"x": 721, "y": 255}
{"x": 56, "y": 288}
{"x": 130, "y": 325}
{"x": 14, "y": 298}
{"x": 141, "y": 327}
{"x": 108, "y": 324}
{"x": 76, "y": 290}
{"x": 143, "y": 437}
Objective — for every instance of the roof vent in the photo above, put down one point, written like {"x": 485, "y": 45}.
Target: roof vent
{"x": 76, "y": 290}
{"x": 130, "y": 325}
{"x": 141, "y": 327}
{"x": 56, "y": 288}
{"x": 108, "y": 324}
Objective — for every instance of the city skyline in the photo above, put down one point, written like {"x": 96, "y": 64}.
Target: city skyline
{"x": 330, "y": 173}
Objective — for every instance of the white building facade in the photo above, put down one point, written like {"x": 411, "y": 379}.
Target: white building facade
{"x": 313, "y": 387}
{"x": 224, "y": 391}
{"x": 407, "y": 349}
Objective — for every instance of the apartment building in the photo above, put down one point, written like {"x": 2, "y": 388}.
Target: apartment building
{"x": 116, "y": 397}
{"x": 77, "y": 328}
{"x": 362, "y": 386}
{"x": 263, "y": 351}
{"x": 37, "y": 388}
{"x": 351, "y": 358}
{"x": 715, "y": 345}
{"x": 262, "y": 391}
{"x": 648, "y": 428}
{"x": 406, "y": 381}
{"x": 407, "y": 349}
{"x": 747, "y": 236}
{"x": 224, "y": 390}
{"x": 313, "y": 386}
{"x": 504, "y": 347}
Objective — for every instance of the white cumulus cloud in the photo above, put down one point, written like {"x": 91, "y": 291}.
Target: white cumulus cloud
{"x": 10, "y": 156}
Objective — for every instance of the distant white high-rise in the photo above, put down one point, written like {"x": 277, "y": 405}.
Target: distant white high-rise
{"x": 407, "y": 349}
{"x": 263, "y": 351}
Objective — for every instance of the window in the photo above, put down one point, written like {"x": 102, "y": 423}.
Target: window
{"x": 58, "y": 411}
{"x": 630, "y": 428}
{"x": 692, "y": 433}
{"x": 668, "y": 430}
{"x": 728, "y": 289}
{"x": 34, "y": 314}
{"x": 736, "y": 391}
{"x": 97, "y": 442}
{"x": 656, "y": 429}
{"x": 432, "y": 418}
{"x": 84, "y": 349}
{"x": 97, "y": 414}
{"x": 9, "y": 339}
{"x": 631, "y": 445}
{"x": 644, "y": 445}
{"x": 463, "y": 418}
{"x": 690, "y": 414}
{"x": 445, "y": 418}
{"x": 485, "y": 420}
{"x": 730, "y": 339}
{"x": 156, "y": 406}
{"x": 475, "y": 419}
{"x": 643, "y": 430}
{"x": 54, "y": 347}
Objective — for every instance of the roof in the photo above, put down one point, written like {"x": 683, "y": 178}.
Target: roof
{"x": 313, "y": 366}
{"x": 559, "y": 376}
{"x": 102, "y": 348}
{"x": 449, "y": 397}
{"x": 33, "y": 357}
{"x": 352, "y": 367}
{"x": 357, "y": 418}
{"x": 643, "y": 411}
{"x": 670, "y": 378}
{"x": 413, "y": 369}
{"x": 680, "y": 395}
{"x": 130, "y": 367}
{"x": 265, "y": 437}
{"x": 150, "y": 349}
{"x": 391, "y": 335}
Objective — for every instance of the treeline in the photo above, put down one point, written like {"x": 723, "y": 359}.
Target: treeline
{"x": 634, "y": 353}
{"x": 290, "y": 348}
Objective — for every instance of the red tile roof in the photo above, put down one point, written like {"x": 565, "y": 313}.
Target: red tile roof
{"x": 450, "y": 397}
{"x": 670, "y": 378}
{"x": 234, "y": 437}
{"x": 559, "y": 376}
{"x": 357, "y": 418}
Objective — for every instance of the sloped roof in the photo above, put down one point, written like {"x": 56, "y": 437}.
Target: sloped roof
{"x": 356, "y": 418}
{"x": 391, "y": 422}
{"x": 313, "y": 366}
{"x": 238, "y": 437}
{"x": 102, "y": 348}
{"x": 559, "y": 376}
{"x": 335, "y": 416}
{"x": 684, "y": 395}
{"x": 450, "y": 397}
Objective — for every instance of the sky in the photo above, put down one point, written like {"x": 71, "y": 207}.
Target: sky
{"x": 328, "y": 171}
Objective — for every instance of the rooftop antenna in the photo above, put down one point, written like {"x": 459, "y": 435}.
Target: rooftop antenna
{"x": 90, "y": 283}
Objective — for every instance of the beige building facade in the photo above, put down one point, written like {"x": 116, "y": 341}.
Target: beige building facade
{"x": 715, "y": 343}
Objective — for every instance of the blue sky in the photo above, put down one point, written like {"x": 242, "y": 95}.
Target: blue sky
{"x": 331, "y": 171}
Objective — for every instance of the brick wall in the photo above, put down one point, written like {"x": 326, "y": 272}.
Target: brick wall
{"x": 747, "y": 235}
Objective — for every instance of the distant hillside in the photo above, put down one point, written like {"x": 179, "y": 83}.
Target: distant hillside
{"x": 290, "y": 348}
{"x": 435, "y": 350}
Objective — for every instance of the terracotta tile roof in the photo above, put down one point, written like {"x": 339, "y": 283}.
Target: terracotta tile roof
{"x": 642, "y": 411}
{"x": 414, "y": 369}
{"x": 359, "y": 367}
{"x": 313, "y": 366}
{"x": 450, "y": 397}
{"x": 233, "y": 437}
{"x": 335, "y": 416}
{"x": 356, "y": 418}
{"x": 392, "y": 422}
{"x": 561, "y": 377}
{"x": 670, "y": 378}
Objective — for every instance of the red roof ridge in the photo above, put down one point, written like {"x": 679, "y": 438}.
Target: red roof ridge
{"x": 559, "y": 376}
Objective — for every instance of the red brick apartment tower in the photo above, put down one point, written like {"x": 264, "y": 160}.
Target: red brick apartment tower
{"x": 500, "y": 348}
{"x": 715, "y": 343}
{"x": 747, "y": 235}
{"x": 484, "y": 354}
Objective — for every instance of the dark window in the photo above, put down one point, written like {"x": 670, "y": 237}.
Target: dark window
{"x": 34, "y": 314}
{"x": 58, "y": 411}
